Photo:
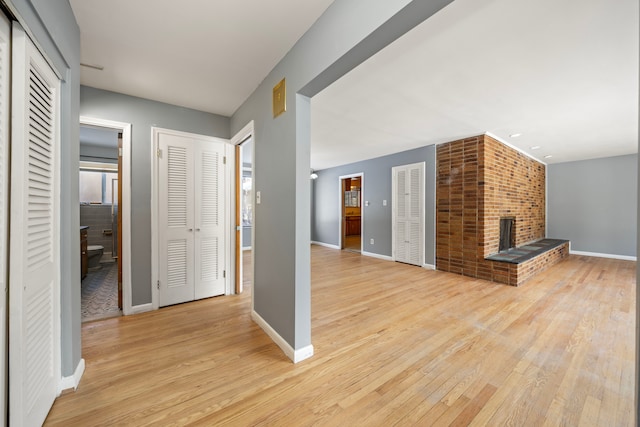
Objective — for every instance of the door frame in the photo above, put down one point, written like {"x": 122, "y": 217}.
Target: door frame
{"x": 125, "y": 256}
{"x": 229, "y": 245}
{"x": 341, "y": 209}
{"x": 245, "y": 133}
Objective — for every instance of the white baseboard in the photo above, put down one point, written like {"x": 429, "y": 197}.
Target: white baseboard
{"x": 326, "y": 245}
{"x": 429, "y": 267}
{"x": 67, "y": 383}
{"x": 295, "y": 355}
{"x": 142, "y": 308}
{"x": 612, "y": 256}
{"x": 372, "y": 255}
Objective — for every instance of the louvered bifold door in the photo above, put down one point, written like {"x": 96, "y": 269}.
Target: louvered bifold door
{"x": 209, "y": 220}
{"x": 408, "y": 213}
{"x": 34, "y": 272}
{"x": 5, "y": 61}
{"x": 176, "y": 219}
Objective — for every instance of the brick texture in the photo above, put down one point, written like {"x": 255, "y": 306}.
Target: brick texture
{"x": 480, "y": 180}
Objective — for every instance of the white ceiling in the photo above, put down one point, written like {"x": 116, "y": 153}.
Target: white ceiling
{"x": 209, "y": 55}
{"x": 563, "y": 74}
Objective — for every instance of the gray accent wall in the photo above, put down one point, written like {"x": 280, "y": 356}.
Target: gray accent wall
{"x": 144, "y": 114}
{"x": 348, "y": 33}
{"x": 593, "y": 203}
{"x": 53, "y": 26}
{"x": 377, "y": 186}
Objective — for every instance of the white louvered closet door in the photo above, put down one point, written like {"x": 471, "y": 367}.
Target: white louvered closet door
{"x": 176, "y": 220}
{"x": 408, "y": 213}
{"x": 209, "y": 220}
{"x": 5, "y": 62}
{"x": 34, "y": 278}
{"x": 190, "y": 219}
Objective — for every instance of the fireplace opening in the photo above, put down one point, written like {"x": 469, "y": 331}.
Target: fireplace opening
{"x": 507, "y": 233}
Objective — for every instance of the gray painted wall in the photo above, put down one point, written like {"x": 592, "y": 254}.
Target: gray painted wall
{"x": 53, "y": 25}
{"x": 593, "y": 203}
{"x": 377, "y": 186}
{"x": 348, "y": 33}
{"x": 143, "y": 114}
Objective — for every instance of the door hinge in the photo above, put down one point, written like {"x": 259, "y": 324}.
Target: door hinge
{"x": 159, "y": 153}
{"x": 224, "y": 274}
{"x": 119, "y": 151}
{"x": 224, "y": 160}
{"x": 158, "y": 284}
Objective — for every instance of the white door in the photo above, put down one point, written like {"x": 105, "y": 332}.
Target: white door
{"x": 176, "y": 220}
{"x": 209, "y": 220}
{"x": 5, "y": 66}
{"x": 190, "y": 218}
{"x": 34, "y": 272}
{"x": 408, "y": 213}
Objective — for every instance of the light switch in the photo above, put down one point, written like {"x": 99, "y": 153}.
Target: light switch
{"x": 366, "y": 203}
{"x": 384, "y": 203}
{"x": 257, "y": 197}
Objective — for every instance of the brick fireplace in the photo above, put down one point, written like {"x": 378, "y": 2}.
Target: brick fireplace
{"x": 481, "y": 181}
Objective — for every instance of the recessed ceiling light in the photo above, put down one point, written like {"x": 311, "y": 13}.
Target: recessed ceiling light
{"x": 535, "y": 147}
{"x": 548, "y": 156}
{"x": 515, "y": 135}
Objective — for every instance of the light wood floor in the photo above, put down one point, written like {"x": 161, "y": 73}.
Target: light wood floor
{"x": 395, "y": 345}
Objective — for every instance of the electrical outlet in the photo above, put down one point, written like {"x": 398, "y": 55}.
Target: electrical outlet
{"x": 371, "y": 241}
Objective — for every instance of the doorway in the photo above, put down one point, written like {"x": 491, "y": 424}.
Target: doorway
{"x": 105, "y": 183}
{"x": 100, "y": 222}
{"x": 244, "y": 204}
{"x": 245, "y": 211}
{"x": 351, "y": 187}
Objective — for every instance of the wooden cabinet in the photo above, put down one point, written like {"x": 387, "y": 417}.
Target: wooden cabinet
{"x": 84, "y": 252}
{"x": 352, "y": 226}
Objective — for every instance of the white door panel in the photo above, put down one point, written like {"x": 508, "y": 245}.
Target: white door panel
{"x": 408, "y": 213}
{"x": 176, "y": 220}
{"x": 34, "y": 302}
{"x": 209, "y": 221}
{"x": 5, "y": 61}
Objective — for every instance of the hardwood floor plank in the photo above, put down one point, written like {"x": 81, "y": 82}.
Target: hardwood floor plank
{"x": 394, "y": 345}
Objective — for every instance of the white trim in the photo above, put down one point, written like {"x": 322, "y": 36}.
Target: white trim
{"x": 341, "y": 205}
{"x": 244, "y": 134}
{"x": 246, "y": 248}
{"x": 429, "y": 267}
{"x": 372, "y": 255}
{"x": 326, "y": 245}
{"x": 125, "y": 128}
{"x": 72, "y": 382}
{"x": 142, "y": 308}
{"x": 520, "y": 150}
{"x": 599, "y": 255}
{"x": 295, "y": 355}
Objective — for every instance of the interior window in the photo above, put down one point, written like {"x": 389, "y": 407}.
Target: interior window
{"x": 96, "y": 187}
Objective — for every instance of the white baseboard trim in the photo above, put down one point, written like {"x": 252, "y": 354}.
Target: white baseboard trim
{"x": 595, "y": 254}
{"x": 429, "y": 267}
{"x": 326, "y": 245}
{"x": 372, "y": 255}
{"x": 295, "y": 355}
{"x": 67, "y": 383}
{"x": 142, "y": 308}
